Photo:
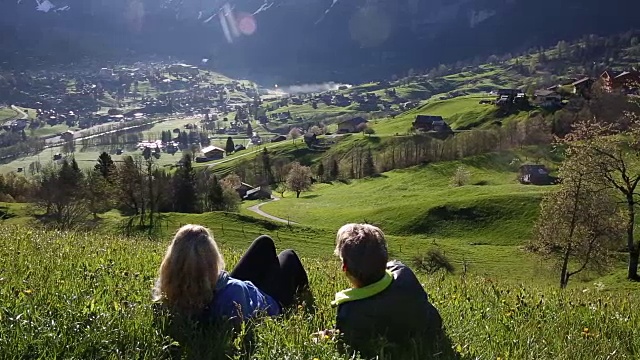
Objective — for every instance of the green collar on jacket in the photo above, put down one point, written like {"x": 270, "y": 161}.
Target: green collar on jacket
{"x": 363, "y": 292}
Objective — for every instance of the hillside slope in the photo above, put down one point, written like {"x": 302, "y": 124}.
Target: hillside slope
{"x": 407, "y": 34}
{"x": 82, "y": 295}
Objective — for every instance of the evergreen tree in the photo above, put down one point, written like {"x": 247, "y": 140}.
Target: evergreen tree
{"x": 184, "y": 187}
{"x": 335, "y": 170}
{"x": 184, "y": 139}
{"x": 97, "y": 192}
{"x": 215, "y": 196}
{"x": 230, "y": 145}
{"x": 249, "y": 130}
{"x": 146, "y": 153}
{"x": 267, "y": 172}
{"x": 105, "y": 165}
{"x": 368, "y": 167}
{"x": 320, "y": 171}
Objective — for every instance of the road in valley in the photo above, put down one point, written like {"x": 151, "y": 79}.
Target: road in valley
{"x": 23, "y": 115}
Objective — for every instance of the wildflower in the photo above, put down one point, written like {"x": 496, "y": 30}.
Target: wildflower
{"x": 28, "y": 292}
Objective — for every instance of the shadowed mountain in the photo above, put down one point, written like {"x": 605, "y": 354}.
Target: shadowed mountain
{"x": 302, "y": 40}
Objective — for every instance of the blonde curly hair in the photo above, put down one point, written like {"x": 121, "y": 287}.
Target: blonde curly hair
{"x": 189, "y": 271}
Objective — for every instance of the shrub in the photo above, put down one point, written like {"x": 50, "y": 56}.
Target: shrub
{"x": 433, "y": 261}
{"x": 460, "y": 177}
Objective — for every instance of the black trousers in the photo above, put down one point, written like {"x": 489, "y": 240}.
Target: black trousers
{"x": 281, "y": 276}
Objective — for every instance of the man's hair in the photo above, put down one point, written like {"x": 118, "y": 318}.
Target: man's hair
{"x": 363, "y": 249}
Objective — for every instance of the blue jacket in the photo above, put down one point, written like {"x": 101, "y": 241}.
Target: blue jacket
{"x": 240, "y": 299}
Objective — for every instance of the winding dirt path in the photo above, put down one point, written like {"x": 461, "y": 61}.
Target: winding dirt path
{"x": 256, "y": 209}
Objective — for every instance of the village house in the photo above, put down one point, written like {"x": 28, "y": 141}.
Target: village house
{"x": 15, "y": 125}
{"x": 582, "y": 87}
{"x": 535, "y": 175}
{"x": 67, "y": 135}
{"x": 508, "y": 97}
{"x": 213, "y": 152}
{"x": 431, "y": 123}
{"x": 341, "y": 100}
{"x": 278, "y": 138}
{"x": 310, "y": 138}
{"x": 547, "y": 99}
{"x": 243, "y": 189}
{"x": 620, "y": 80}
{"x": 256, "y": 139}
{"x": 259, "y": 193}
{"x": 351, "y": 125}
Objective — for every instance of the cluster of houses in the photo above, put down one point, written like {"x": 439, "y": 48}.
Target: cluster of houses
{"x": 627, "y": 82}
{"x": 73, "y": 95}
{"x": 15, "y": 125}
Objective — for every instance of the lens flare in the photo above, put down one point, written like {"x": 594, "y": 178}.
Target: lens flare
{"x": 246, "y": 24}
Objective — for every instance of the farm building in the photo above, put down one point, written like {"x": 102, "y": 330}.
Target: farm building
{"x": 431, "y": 123}
{"x": 259, "y": 193}
{"x": 67, "y": 135}
{"x": 351, "y": 125}
{"x": 213, "y": 152}
{"x": 536, "y": 175}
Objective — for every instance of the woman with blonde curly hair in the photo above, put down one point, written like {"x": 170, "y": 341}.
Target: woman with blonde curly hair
{"x": 192, "y": 280}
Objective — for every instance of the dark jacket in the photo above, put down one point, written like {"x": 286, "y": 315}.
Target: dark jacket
{"x": 396, "y": 308}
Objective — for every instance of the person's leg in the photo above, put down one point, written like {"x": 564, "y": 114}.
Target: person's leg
{"x": 259, "y": 264}
{"x": 293, "y": 280}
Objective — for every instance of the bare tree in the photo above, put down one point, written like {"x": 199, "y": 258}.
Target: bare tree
{"x": 294, "y": 134}
{"x": 579, "y": 224}
{"x": 362, "y": 127}
{"x": 299, "y": 178}
{"x": 232, "y": 181}
{"x": 316, "y": 130}
{"x": 230, "y": 197}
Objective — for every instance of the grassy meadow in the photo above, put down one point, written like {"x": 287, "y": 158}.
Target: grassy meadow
{"x": 87, "y": 295}
{"x": 7, "y": 114}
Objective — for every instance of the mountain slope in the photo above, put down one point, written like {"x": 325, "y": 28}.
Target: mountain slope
{"x": 307, "y": 40}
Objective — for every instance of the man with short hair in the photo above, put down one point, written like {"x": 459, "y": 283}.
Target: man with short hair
{"x": 386, "y": 299}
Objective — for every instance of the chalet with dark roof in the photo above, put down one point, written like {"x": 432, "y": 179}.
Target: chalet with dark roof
{"x": 259, "y": 193}
{"x": 535, "y": 174}
{"x": 351, "y": 125}
{"x": 431, "y": 123}
{"x": 547, "y": 99}
{"x": 583, "y": 86}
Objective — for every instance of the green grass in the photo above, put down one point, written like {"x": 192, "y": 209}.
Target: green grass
{"x": 78, "y": 295}
{"x": 307, "y": 111}
{"x": 419, "y": 201}
{"x": 51, "y": 130}
{"x": 7, "y": 114}
{"x": 483, "y": 224}
{"x": 458, "y": 112}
